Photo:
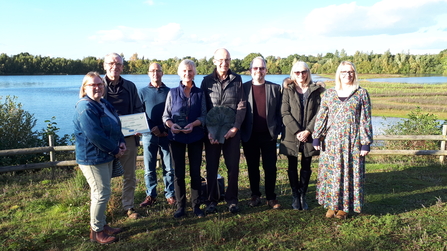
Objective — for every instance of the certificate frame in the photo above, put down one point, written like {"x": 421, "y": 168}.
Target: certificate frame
{"x": 134, "y": 123}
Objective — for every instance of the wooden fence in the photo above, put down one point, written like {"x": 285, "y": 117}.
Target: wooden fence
{"x": 51, "y": 149}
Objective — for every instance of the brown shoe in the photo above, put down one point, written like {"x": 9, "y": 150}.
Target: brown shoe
{"x": 254, "y": 201}
{"x": 112, "y": 231}
{"x": 330, "y": 213}
{"x": 149, "y": 201}
{"x": 101, "y": 237}
{"x": 341, "y": 215}
{"x": 132, "y": 214}
{"x": 274, "y": 204}
{"x": 171, "y": 201}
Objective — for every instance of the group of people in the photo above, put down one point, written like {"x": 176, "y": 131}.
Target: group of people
{"x": 220, "y": 115}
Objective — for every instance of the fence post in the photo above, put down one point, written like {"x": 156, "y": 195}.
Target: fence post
{"x": 52, "y": 153}
{"x": 51, "y": 143}
{"x": 444, "y": 133}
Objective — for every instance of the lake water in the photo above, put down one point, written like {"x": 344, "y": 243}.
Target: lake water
{"x": 48, "y": 96}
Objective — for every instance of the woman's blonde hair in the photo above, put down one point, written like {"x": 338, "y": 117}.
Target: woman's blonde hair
{"x": 295, "y": 67}
{"x": 88, "y": 76}
{"x": 355, "y": 83}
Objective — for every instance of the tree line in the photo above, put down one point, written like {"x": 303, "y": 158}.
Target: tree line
{"x": 366, "y": 62}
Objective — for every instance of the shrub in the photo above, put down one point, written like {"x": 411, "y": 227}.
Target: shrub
{"x": 16, "y": 131}
{"x": 418, "y": 123}
{"x": 66, "y": 139}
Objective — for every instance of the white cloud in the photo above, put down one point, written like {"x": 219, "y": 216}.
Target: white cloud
{"x": 150, "y": 2}
{"x": 390, "y": 17}
{"x": 165, "y": 34}
{"x": 169, "y": 33}
{"x": 269, "y": 33}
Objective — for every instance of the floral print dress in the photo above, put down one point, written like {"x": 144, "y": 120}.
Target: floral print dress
{"x": 341, "y": 172}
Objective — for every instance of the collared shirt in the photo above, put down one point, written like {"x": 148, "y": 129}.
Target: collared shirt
{"x": 118, "y": 96}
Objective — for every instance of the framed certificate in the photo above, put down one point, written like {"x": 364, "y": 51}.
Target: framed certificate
{"x": 134, "y": 123}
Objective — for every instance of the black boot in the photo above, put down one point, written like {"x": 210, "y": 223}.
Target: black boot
{"x": 304, "y": 183}
{"x": 292, "y": 172}
{"x": 303, "y": 202}
{"x": 296, "y": 203}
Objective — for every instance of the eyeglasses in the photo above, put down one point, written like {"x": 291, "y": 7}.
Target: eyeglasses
{"x": 300, "y": 72}
{"x": 347, "y": 72}
{"x": 95, "y": 85}
{"x": 114, "y": 64}
{"x": 226, "y": 60}
{"x": 258, "y": 68}
{"x": 155, "y": 71}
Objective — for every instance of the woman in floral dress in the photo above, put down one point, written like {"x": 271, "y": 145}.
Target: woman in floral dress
{"x": 344, "y": 121}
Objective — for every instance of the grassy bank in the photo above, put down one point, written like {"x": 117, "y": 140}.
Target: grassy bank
{"x": 405, "y": 210}
{"x": 368, "y": 76}
{"x": 399, "y": 99}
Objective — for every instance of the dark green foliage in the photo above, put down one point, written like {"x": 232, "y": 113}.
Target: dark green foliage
{"x": 418, "y": 123}
{"x": 17, "y": 131}
{"x": 366, "y": 62}
{"x": 247, "y": 60}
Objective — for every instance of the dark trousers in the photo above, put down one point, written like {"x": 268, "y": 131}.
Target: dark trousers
{"x": 261, "y": 144}
{"x": 231, "y": 153}
{"x": 178, "y": 152}
{"x": 299, "y": 185}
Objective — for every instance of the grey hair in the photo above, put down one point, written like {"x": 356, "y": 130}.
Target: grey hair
{"x": 260, "y": 58}
{"x": 187, "y": 62}
{"x": 114, "y": 55}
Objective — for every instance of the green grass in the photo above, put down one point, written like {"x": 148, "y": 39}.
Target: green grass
{"x": 399, "y": 99}
{"x": 405, "y": 210}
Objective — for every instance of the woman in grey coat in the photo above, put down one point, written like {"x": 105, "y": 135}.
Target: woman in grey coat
{"x": 300, "y": 103}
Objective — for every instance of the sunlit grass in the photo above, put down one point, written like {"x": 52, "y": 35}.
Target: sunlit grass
{"x": 399, "y": 99}
{"x": 405, "y": 210}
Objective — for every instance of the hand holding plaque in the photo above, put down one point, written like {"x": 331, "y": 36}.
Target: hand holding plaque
{"x": 134, "y": 123}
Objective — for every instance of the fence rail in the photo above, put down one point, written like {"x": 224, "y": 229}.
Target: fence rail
{"x": 53, "y": 163}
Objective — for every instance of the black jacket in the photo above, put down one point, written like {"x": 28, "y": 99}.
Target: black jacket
{"x": 291, "y": 118}
{"x": 230, "y": 94}
{"x": 273, "y": 110}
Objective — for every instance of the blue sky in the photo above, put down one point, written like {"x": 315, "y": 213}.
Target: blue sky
{"x": 163, "y": 29}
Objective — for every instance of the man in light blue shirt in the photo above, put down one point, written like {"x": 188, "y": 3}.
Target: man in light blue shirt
{"x": 153, "y": 97}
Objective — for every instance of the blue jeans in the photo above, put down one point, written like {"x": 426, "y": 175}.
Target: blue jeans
{"x": 151, "y": 145}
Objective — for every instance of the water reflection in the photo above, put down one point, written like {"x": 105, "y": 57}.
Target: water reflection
{"x": 380, "y": 124}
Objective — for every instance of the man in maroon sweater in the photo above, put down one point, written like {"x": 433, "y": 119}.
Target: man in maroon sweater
{"x": 259, "y": 131}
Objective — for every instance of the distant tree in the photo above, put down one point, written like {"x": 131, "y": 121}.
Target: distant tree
{"x": 403, "y": 63}
{"x": 343, "y": 55}
{"x": 204, "y": 66}
{"x": 330, "y": 55}
{"x": 247, "y": 60}
{"x": 236, "y": 66}
{"x": 272, "y": 65}
{"x": 443, "y": 61}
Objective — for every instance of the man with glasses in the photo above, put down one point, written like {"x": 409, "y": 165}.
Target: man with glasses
{"x": 224, "y": 88}
{"x": 260, "y": 131}
{"x": 153, "y": 97}
{"x": 123, "y": 95}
